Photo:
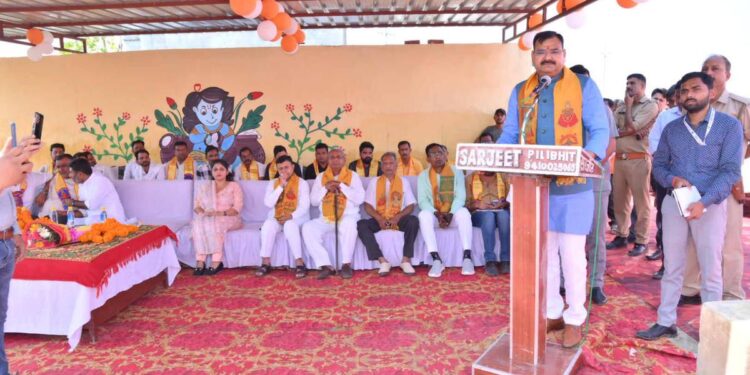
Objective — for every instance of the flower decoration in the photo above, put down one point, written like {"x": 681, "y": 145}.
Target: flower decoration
{"x": 81, "y": 118}
{"x": 126, "y": 116}
{"x": 97, "y": 112}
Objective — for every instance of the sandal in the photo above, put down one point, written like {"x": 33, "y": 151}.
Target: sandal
{"x": 263, "y": 270}
{"x": 301, "y": 272}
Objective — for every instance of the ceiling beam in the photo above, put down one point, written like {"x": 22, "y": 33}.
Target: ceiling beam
{"x": 122, "y": 5}
{"x": 147, "y": 20}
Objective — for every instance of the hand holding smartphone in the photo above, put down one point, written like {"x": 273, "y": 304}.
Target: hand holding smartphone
{"x": 14, "y": 138}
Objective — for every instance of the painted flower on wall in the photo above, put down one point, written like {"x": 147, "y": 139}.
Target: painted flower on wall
{"x": 117, "y": 146}
{"x": 310, "y": 126}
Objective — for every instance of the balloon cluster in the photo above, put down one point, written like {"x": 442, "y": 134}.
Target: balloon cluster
{"x": 276, "y": 23}
{"x": 42, "y": 41}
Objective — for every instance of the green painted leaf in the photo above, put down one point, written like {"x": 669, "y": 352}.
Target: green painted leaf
{"x": 119, "y": 138}
{"x": 253, "y": 119}
{"x": 166, "y": 123}
{"x": 116, "y": 156}
{"x": 130, "y": 137}
{"x": 104, "y": 127}
{"x": 293, "y": 143}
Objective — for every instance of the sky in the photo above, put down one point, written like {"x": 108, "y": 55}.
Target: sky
{"x": 662, "y": 39}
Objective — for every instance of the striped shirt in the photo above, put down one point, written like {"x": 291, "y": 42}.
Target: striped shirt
{"x": 712, "y": 168}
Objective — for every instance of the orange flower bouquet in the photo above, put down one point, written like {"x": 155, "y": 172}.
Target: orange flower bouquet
{"x": 43, "y": 233}
{"x": 107, "y": 231}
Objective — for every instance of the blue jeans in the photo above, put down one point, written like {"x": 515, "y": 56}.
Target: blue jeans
{"x": 487, "y": 221}
{"x": 7, "y": 263}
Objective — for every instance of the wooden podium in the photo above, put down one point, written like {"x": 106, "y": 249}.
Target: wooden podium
{"x": 525, "y": 350}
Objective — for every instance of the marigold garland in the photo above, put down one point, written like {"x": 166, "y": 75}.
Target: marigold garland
{"x": 107, "y": 231}
{"x": 24, "y": 218}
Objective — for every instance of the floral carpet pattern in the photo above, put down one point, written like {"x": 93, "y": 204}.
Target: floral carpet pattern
{"x": 235, "y": 323}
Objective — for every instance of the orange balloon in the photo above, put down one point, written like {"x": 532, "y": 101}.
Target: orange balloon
{"x": 242, "y": 7}
{"x": 289, "y": 44}
{"x": 627, "y": 4}
{"x": 569, "y": 4}
{"x": 35, "y": 36}
{"x": 535, "y": 20}
{"x": 282, "y": 21}
{"x": 522, "y": 45}
{"x": 270, "y": 9}
{"x": 300, "y": 36}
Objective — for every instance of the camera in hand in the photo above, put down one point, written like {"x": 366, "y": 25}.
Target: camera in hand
{"x": 36, "y": 127}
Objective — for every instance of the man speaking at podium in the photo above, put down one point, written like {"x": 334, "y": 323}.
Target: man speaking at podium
{"x": 569, "y": 113}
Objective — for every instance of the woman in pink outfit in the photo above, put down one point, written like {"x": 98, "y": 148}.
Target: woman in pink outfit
{"x": 217, "y": 207}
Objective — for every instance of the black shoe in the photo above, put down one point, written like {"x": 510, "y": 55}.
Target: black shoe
{"x": 213, "y": 271}
{"x": 637, "y": 250}
{"x": 263, "y": 270}
{"x": 658, "y": 254}
{"x": 491, "y": 269}
{"x": 325, "y": 273}
{"x": 300, "y": 272}
{"x": 656, "y": 331}
{"x": 631, "y": 238}
{"x": 617, "y": 243}
{"x": 562, "y": 291}
{"x": 658, "y": 274}
{"x": 199, "y": 271}
{"x": 690, "y": 300}
{"x": 346, "y": 271}
{"x": 504, "y": 268}
{"x": 598, "y": 296}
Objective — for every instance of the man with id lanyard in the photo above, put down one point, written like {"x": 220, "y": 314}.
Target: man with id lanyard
{"x": 704, "y": 149}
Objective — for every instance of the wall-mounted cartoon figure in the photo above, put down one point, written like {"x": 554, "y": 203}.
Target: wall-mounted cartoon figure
{"x": 208, "y": 119}
{"x": 212, "y": 118}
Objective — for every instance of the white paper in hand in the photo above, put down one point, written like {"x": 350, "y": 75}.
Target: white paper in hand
{"x": 684, "y": 197}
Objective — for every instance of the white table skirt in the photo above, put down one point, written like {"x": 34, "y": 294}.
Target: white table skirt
{"x": 62, "y": 308}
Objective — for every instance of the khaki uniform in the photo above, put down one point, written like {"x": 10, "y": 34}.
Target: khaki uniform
{"x": 633, "y": 170}
{"x": 733, "y": 260}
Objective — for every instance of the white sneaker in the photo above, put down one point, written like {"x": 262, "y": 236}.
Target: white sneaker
{"x": 385, "y": 268}
{"x": 408, "y": 269}
{"x": 467, "y": 268}
{"x": 437, "y": 269}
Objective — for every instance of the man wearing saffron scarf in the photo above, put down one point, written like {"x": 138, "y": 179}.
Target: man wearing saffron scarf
{"x": 271, "y": 172}
{"x": 55, "y": 150}
{"x": 568, "y": 109}
{"x": 289, "y": 196}
{"x": 442, "y": 195}
{"x": 364, "y": 166}
{"x": 249, "y": 169}
{"x": 338, "y": 188}
{"x": 25, "y": 193}
{"x": 182, "y": 166}
{"x": 58, "y": 190}
{"x": 407, "y": 165}
{"x": 320, "y": 164}
{"x": 390, "y": 202}
{"x": 485, "y": 198}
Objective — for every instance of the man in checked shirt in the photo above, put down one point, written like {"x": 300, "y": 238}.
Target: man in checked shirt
{"x": 704, "y": 149}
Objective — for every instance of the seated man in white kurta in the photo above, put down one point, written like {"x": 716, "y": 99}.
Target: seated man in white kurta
{"x": 289, "y": 197}
{"x": 58, "y": 190}
{"x": 144, "y": 168}
{"x": 339, "y": 188}
{"x": 249, "y": 169}
{"x": 97, "y": 194}
{"x": 442, "y": 195}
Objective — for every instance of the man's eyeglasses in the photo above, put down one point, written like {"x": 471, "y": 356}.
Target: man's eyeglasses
{"x": 544, "y": 52}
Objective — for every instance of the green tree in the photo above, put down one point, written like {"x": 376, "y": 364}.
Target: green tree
{"x": 95, "y": 44}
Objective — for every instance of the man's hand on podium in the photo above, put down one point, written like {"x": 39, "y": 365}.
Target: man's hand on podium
{"x": 679, "y": 182}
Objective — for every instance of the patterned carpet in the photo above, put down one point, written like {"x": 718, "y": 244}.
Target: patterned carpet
{"x": 237, "y": 323}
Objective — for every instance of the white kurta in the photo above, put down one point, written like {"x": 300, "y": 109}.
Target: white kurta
{"x": 371, "y": 195}
{"x": 98, "y": 192}
{"x": 291, "y": 228}
{"x": 314, "y": 230}
{"x": 155, "y": 172}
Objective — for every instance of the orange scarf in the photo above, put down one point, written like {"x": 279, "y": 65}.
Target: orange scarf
{"x": 249, "y": 173}
{"x": 373, "y": 168}
{"x": 287, "y": 203}
{"x": 443, "y": 196}
{"x": 345, "y": 177}
{"x": 61, "y": 187}
{"x": 568, "y": 103}
{"x": 478, "y": 188}
{"x": 390, "y": 205}
{"x": 272, "y": 169}
{"x": 411, "y": 169}
{"x": 188, "y": 173}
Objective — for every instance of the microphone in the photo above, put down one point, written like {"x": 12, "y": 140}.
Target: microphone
{"x": 544, "y": 81}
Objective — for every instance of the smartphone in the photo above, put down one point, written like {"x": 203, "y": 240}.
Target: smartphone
{"x": 36, "y": 128}
{"x": 14, "y": 139}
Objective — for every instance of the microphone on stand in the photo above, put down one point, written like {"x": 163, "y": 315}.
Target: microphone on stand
{"x": 544, "y": 81}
